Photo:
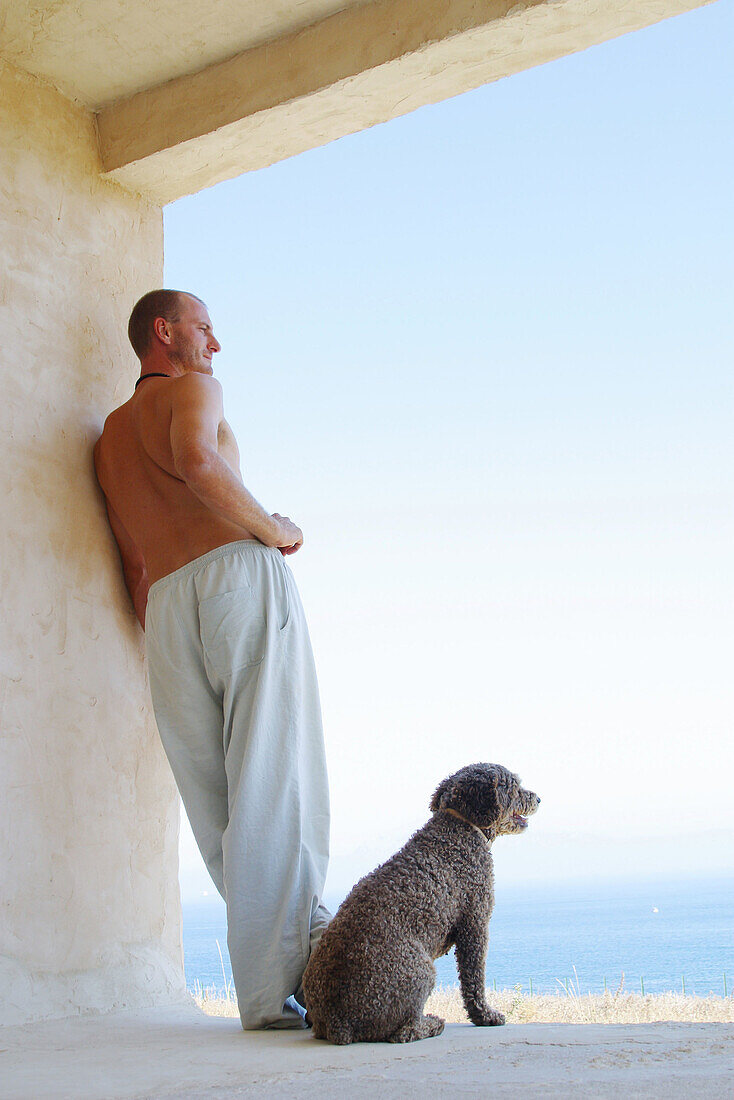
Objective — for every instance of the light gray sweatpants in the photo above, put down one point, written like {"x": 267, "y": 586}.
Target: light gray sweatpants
{"x": 236, "y": 701}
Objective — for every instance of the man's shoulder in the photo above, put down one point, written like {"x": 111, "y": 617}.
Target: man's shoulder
{"x": 114, "y": 421}
{"x": 194, "y": 379}
{"x": 193, "y": 388}
{"x": 107, "y": 430}
{"x": 106, "y": 440}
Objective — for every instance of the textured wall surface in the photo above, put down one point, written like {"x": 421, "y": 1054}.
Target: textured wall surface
{"x": 88, "y": 875}
{"x": 121, "y": 53}
{"x": 367, "y": 64}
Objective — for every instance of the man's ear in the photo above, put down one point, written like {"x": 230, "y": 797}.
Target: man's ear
{"x": 161, "y": 330}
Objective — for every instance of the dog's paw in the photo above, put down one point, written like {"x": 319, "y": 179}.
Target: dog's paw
{"x": 425, "y": 1028}
{"x": 489, "y": 1018}
{"x": 434, "y": 1024}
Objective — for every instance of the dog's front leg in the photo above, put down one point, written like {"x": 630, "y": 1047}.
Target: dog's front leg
{"x": 472, "y": 937}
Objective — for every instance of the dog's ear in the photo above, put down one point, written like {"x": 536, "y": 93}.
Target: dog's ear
{"x": 440, "y": 794}
{"x": 481, "y": 802}
{"x": 479, "y": 799}
{"x": 472, "y": 792}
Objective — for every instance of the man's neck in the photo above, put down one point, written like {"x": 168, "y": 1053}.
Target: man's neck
{"x": 151, "y": 374}
{"x": 157, "y": 363}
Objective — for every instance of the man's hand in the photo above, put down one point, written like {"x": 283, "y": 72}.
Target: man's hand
{"x": 290, "y": 537}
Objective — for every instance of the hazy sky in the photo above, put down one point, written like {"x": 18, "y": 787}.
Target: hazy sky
{"x": 482, "y": 355}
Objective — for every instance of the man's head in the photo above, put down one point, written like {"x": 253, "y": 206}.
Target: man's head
{"x": 174, "y": 326}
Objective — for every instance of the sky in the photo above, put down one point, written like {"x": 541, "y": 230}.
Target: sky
{"x": 482, "y": 355}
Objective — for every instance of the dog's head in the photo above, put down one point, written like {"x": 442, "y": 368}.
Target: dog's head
{"x": 488, "y": 796}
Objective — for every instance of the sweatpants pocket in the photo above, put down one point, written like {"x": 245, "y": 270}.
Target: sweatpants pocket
{"x": 233, "y": 630}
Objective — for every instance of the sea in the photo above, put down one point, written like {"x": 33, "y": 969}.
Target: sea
{"x": 651, "y": 936}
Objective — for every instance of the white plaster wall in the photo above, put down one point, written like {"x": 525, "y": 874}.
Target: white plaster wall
{"x": 90, "y": 915}
{"x": 121, "y": 55}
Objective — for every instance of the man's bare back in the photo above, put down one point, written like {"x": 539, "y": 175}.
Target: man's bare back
{"x": 168, "y": 463}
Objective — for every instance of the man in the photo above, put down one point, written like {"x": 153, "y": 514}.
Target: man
{"x": 231, "y": 670}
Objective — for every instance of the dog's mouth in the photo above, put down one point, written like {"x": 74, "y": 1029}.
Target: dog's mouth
{"x": 519, "y": 821}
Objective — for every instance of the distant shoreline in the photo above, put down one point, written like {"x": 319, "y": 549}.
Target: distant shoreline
{"x": 663, "y": 936}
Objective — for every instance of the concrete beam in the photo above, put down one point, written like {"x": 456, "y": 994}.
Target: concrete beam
{"x": 361, "y": 66}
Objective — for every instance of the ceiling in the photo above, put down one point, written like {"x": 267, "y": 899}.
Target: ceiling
{"x": 98, "y": 51}
{"x": 187, "y": 93}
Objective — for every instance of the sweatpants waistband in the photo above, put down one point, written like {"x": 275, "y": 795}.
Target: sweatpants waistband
{"x": 218, "y": 552}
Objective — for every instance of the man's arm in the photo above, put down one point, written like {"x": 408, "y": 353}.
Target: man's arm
{"x": 196, "y": 414}
{"x": 133, "y": 565}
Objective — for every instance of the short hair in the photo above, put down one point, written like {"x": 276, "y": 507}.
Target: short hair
{"x": 156, "y": 303}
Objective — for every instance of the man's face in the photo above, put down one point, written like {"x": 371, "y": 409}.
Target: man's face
{"x": 193, "y": 343}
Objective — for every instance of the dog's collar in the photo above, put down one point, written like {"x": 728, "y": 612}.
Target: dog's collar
{"x": 455, "y": 813}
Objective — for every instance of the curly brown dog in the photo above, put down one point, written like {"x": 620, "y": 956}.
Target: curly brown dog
{"x": 372, "y": 971}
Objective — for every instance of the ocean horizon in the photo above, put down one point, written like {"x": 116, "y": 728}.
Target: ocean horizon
{"x": 653, "y": 935}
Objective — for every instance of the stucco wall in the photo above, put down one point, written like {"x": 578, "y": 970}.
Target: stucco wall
{"x": 88, "y": 827}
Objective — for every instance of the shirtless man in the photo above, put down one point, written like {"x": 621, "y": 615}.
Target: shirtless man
{"x": 231, "y": 670}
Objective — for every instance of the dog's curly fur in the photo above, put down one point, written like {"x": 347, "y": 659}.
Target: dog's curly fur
{"x": 372, "y": 971}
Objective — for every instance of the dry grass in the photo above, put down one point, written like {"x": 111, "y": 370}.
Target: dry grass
{"x": 214, "y": 1002}
{"x": 547, "y": 1008}
{"x": 588, "y": 1008}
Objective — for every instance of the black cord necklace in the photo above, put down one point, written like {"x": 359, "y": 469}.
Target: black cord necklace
{"x": 153, "y": 374}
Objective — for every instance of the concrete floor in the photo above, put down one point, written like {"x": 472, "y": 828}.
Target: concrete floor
{"x": 178, "y": 1054}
